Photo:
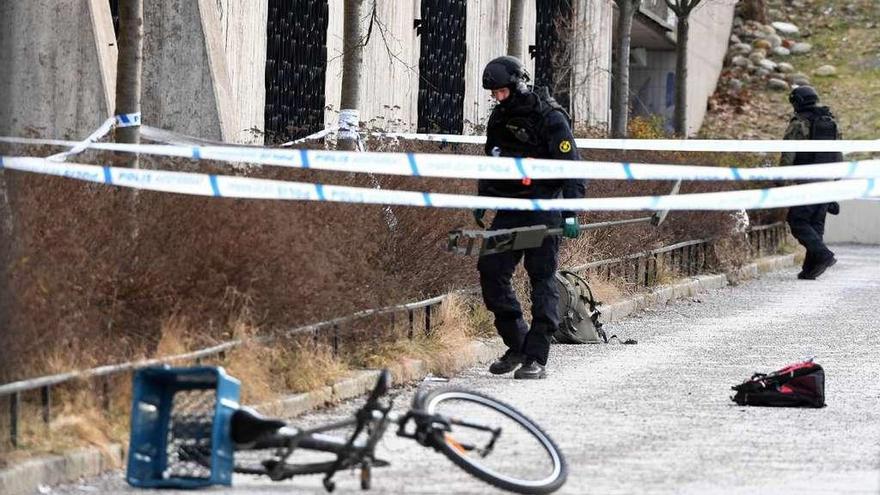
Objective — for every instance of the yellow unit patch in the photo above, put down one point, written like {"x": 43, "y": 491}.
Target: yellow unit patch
{"x": 565, "y": 146}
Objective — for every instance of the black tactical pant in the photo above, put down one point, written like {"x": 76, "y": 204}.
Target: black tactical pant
{"x": 807, "y": 225}
{"x": 496, "y": 271}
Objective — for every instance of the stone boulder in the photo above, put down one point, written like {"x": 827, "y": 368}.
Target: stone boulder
{"x": 826, "y": 71}
{"x": 778, "y": 85}
{"x": 786, "y": 28}
{"x": 801, "y": 48}
{"x": 781, "y": 51}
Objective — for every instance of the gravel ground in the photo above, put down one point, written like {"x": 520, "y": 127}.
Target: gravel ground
{"x": 656, "y": 417}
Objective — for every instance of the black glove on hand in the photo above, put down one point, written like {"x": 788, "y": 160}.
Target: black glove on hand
{"x": 834, "y": 208}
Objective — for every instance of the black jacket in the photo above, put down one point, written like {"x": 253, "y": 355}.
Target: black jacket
{"x": 526, "y": 126}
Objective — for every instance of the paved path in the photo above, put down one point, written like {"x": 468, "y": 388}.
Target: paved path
{"x": 656, "y": 417}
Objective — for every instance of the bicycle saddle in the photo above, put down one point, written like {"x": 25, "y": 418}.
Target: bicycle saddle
{"x": 249, "y": 425}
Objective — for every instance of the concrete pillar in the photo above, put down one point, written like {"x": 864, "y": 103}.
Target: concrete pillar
{"x": 710, "y": 26}
{"x": 591, "y": 63}
{"x": 204, "y": 67}
{"x": 59, "y": 67}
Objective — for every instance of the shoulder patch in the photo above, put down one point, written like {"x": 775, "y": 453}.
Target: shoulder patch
{"x": 565, "y": 146}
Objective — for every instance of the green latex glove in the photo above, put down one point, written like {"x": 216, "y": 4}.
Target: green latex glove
{"x": 571, "y": 228}
{"x": 479, "y": 213}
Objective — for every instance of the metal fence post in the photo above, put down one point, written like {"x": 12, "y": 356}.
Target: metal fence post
{"x": 427, "y": 319}
{"x": 105, "y": 393}
{"x": 14, "y": 400}
{"x": 46, "y": 401}
{"x": 411, "y": 323}
{"x": 335, "y": 340}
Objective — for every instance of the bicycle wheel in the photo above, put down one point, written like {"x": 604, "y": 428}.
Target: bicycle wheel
{"x": 494, "y": 442}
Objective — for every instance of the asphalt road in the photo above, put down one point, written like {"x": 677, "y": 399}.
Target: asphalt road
{"x": 656, "y": 417}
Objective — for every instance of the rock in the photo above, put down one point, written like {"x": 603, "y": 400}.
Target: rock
{"x": 735, "y": 85}
{"x": 787, "y": 43}
{"x": 801, "y": 48}
{"x": 826, "y": 71}
{"x": 762, "y": 72}
{"x": 778, "y": 85}
{"x": 775, "y": 40}
{"x": 734, "y": 39}
{"x": 768, "y": 64}
{"x": 781, "y": 51}
{"x": 786, "y": 28}
{"x": 741, "y": 49}
{"x": 798, "y": 80}
{"x": 785, "y": 67}
{"x": 757, "y": 55}
{"x": 740, "y": 61}
{"x": 762, "y": 44}
{"x": 766, "y": 29}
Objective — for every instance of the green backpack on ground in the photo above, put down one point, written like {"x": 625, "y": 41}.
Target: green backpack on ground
{"x": 578, "y": 317}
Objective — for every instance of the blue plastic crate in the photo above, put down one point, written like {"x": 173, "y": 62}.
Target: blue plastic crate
{"x": 180, "y": 421}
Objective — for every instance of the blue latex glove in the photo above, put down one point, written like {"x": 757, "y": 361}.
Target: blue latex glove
{"x": 571, "y": 228}
{"x": 479, "y": 213}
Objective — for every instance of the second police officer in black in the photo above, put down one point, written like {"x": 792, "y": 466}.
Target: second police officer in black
{"x": 527, "y": 125}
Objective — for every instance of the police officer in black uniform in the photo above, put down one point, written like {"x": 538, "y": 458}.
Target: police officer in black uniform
{"x": 807, "y": 222}
{"x": 525, "y": 124}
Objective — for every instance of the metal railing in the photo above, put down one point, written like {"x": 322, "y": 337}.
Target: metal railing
{"x": 644, "y": 269}
{"x": 683, "y": 259}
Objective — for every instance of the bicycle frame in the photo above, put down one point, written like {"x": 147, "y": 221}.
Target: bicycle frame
{"x": 352, "y": 452}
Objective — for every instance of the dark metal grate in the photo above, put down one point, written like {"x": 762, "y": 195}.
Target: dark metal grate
{"x": 442, "y": 31}
{"x": 552, "y": 48}
{"x": 189, "y": 434}
{"x": 296, "y": 67}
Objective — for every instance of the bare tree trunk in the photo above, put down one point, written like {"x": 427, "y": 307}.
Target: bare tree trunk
{"x": 620, "y": 89}
{"x": 130, "y": 68}
{"x": 352, "y": 61}
{"x": 755, "y": 10}
{"x": 7, "y": 240}
{"x": 515, "y": 29}
{"x": 681, "y": 75}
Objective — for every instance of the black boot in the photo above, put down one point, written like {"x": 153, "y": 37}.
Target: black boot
{"x": 820, "y": 267}
{"x": 508, "y": 362}
{"x": 531, "y": 370}
{"x": 806, "y": 267}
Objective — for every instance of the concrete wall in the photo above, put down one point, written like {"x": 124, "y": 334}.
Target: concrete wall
{"x": 243, "y": 31}
{"x": 710, "y": 29}
{"x": 204, "y": 67}
{"x": 591, "y": 77}
{"x": 487, "y": 39}
{"x": 859, "y": 221}
{"x": 390, "y": 81}
{"x": 59, "y": 66}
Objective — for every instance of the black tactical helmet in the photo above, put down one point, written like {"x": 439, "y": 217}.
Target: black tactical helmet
{"x": 505, "y": 72}
{"x": 803, "y": 97}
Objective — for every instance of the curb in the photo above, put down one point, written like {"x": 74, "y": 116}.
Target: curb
{"x": 25, "y": 478}
{"x": 28, "y": 476}
{"x": 692, "y": 286}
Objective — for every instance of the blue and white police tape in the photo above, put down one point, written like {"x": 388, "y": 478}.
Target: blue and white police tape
{"x": 252, "y": 188}
{"x": 481, "y": 167}
{"x": 122, "y": 120}
{"x": 697, "y": 145}
{"x": 127, "y": 120}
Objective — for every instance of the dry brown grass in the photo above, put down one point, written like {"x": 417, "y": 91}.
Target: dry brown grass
{"x": 79, "y": 419}
{"x": 462, "y": 318}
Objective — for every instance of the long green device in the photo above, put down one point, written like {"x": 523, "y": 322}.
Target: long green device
{"x": 483, "y": 242}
